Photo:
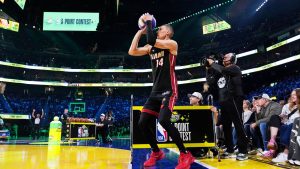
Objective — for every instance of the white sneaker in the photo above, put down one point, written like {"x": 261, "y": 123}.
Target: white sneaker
{"x": 291, "y": 162}
{"x": 226, "y": 155}
{"x": 281, "y": 158}
{"x": 297, "y": 162}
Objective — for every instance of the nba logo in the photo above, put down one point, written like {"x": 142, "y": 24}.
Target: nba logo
{"x": 161, "y": 133}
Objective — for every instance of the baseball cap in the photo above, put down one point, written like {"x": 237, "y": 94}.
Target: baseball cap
{"x": 196, "y": 94}
{"x": 102, "y": 115}
{"x": 264, "y": 96}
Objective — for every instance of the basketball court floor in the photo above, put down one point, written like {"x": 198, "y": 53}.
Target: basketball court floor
{"x": 23, "y": 154}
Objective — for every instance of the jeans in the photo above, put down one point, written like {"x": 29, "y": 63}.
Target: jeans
{"x": 234, "y": 136}
{"x": 285, "y": 133}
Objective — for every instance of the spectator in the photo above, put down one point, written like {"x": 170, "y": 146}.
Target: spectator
{"x": 283, "y": 123}
{"x": 256, "y": 139}
{"x": 195, "y": 99}
{"x": 268, "y": 108}
{"x": 294, "y": 148}
{"x": 37, "y": 121}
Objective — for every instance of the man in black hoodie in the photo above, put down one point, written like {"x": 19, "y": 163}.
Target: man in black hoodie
{"x": 229, "y": 82}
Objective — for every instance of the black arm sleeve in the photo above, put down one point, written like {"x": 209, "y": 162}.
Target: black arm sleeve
{"x": 150, "y": 35}
{"x": 230, "y": 70}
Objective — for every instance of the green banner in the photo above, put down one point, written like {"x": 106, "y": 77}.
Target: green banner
{"x": 14, "y": 116}
{"x": 70, "y": 21}
{"x": 215, "y": 27}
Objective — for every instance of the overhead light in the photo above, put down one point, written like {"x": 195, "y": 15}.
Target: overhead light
{"x": 261, "y": 5}
{"x": 202, "y": 11}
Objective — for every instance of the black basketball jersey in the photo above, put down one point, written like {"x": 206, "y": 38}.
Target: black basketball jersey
{"x": 163, "y": 71}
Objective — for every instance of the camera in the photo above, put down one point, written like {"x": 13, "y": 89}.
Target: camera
{"x": 217, "y": 58}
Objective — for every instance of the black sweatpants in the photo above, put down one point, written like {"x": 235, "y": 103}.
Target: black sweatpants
{"x": 36, "y": 131}
{"x": 161, "y": 109}
{"x": 231, "y": 112}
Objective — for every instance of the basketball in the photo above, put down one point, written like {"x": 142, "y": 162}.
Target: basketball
{"x": 142, "y": 24}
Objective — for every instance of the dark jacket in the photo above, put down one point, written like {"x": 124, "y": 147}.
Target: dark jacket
{"x": 228, "y": 81}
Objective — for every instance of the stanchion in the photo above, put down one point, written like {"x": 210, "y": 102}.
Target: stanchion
{"x": 210, "y": 101}
{"x": 131, "y": 130}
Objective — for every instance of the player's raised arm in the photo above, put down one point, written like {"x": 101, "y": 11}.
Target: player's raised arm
{"x": 134, "y": 50}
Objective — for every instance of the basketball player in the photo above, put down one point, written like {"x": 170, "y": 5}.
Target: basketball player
{"x": 162, "y": 51}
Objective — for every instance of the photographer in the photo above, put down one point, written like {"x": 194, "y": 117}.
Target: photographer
{"x": 229, "y": 82}
{"x": 102, "y": 128}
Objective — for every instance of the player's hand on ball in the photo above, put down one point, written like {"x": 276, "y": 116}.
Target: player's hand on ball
{"x": 147, "y": 17}
{"x": 144, "y": 18}
{"x": 143, "y": 30}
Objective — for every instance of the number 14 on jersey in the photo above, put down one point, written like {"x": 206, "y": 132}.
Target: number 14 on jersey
{"x": 160, "y": 62}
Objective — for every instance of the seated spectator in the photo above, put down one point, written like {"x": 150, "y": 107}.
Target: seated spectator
{"x": 283, "y": 124}
{"x": 294, "y": 148}
{"x": 256, "y": 140}
{"x": 265, "y": 109}
{"x": 196, "y": 100}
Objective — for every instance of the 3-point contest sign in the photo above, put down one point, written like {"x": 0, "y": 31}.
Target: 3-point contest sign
{"x": 194, "y": 123}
